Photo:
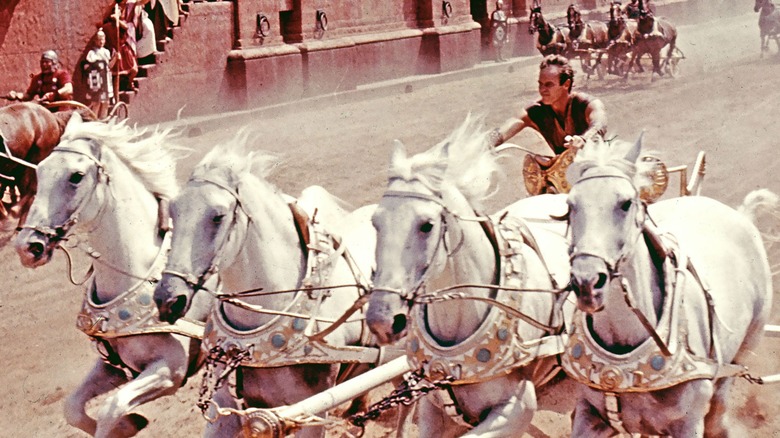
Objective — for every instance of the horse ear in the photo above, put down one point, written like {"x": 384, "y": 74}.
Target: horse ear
{"x": 633, "y": 154}
{"x": 74, "y": 121}
{"x": 399, "y": 152}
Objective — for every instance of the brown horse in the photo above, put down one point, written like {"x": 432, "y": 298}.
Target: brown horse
{"x": 586, "y": 37}
{"x": 28, "y": 131}
{"x": 648, "y": 40}
{"x": 768, "y": 23}
{"x": 620, "y": 32}
{"x": 551, "y": 40}
{"x": 585, "y": 34}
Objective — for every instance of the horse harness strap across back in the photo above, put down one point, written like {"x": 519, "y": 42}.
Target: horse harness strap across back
{"x": 287, "y": 338}
{"x": 495, "y": 349}
{"x": 652, "y": 365}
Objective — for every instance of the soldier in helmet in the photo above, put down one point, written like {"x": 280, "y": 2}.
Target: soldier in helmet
{"x": 498, "y": 30}
{"x": 50, "y": 85}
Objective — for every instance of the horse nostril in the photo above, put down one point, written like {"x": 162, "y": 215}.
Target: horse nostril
{"x": 35, "y": 248}
{"x": 399, "y": 323}
{"x": 602, "y": 280}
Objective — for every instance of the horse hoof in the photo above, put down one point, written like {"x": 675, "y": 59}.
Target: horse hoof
{"x": 130, "y": 424}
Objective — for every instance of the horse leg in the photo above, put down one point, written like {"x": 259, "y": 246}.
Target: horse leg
{"x": 510, "y": 418}
{"x": 405, "y": 421}
{"x": 630, "y": 64}
{"x": 433, "y": 422}
{"x": 718, "y": 422}
{"x": 586, "y": 421}
{"x": 158, "y": 379}
{"x": 225, "y": 426}
{"x": 100, "y": 380}
{"x": 656, "y": 55}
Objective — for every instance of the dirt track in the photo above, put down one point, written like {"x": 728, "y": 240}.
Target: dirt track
{"x": 724, "y": 103}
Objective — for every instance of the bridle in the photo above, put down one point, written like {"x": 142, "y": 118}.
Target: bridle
{"x": 410, "y": 295}
{"x": 613, "y": 265}
{"x": 60, "y": 232}
{"x": 533, "y": 21}
{"x": 196, "y": 283}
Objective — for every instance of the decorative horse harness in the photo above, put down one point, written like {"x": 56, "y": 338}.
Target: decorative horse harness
{"x": 496, "y": 348}
{"x": 664, "y": 359}
{"x": 292, "y": 336}
{"x": 133, "y": 312}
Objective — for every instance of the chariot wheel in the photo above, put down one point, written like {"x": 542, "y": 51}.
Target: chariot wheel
{"x": 672, "y": 66}
{"x": 120, "y": 111}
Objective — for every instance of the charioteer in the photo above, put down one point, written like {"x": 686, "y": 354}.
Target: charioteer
{"x": 563, "y": 117}
{"x": 52, "y": 84}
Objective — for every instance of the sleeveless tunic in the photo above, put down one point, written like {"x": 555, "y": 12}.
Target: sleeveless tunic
{"x": 554, "y": 130}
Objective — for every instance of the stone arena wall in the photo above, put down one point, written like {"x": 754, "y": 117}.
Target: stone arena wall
{"x": 233, "y": 55}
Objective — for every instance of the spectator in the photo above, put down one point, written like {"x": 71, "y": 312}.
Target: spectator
{"x": 50, "y": 85}
{"x": 100, "y": 90}
{"x": 120, "y": 38}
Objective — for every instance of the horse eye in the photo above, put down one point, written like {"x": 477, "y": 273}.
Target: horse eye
{"x": 76, "y": 177}
{"x": 625, "y": 206}
{"x": 216, "y": 220}
{"x": 426, "y": 227}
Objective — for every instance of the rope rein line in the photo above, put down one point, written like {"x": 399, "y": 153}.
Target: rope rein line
{"x": 445, "y": 294}
{"x": 234, "y": 297}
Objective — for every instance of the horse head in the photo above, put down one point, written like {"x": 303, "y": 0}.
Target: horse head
{"x": 761, "y": 4}
{"x": 535, "y": 19}
{"x": 615, "y": 12}
{"x": 605, "y": 217}
{"x": 574, "y": 18}
{"x": 211, "y": 224}
{"x": 423, "y": 236}
{"x": 645, "y": 21}
{"x": 409, "y": 221}
{"x": 74, "y": 182}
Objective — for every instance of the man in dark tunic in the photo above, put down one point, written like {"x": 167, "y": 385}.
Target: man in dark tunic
{"x": 563, "y": 117}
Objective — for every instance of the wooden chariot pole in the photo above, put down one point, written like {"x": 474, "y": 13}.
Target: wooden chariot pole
{"x": 281, "y": 421}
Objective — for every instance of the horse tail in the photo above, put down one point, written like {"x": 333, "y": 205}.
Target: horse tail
{"x": 762, "y": 207}
{"x": 759, "y": 202}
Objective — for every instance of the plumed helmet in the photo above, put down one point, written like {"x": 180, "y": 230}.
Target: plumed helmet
{"x": 51, "y": 55}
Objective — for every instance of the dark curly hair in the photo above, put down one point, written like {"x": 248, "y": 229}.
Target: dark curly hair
{"x": 566, "y": 70}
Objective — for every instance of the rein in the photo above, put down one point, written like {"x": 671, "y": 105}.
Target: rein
{"x": 444, "y": 294}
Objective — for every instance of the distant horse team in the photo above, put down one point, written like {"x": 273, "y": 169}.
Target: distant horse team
{"x": 281, "y": 298}
{"x": 619, "y": 43}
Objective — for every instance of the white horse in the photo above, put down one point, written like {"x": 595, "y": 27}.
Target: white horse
{"x": 104, "y": 180}
{"x": 492, "y": 342}
{"x": 230, "y": 219}
{"x": 671, "y": 297}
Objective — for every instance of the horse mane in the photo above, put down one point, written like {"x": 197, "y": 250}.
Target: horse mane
{"x": 233, "y": 160}
{"x": 464, "y": 160}
{"x": 148, "y": 155}
{"x": 612, "y": 153}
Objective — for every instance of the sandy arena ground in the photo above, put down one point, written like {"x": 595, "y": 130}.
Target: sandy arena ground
{"x": 724, "y": 102}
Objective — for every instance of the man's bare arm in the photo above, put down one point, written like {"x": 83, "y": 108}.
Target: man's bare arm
{"x": 509, "y": 129}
